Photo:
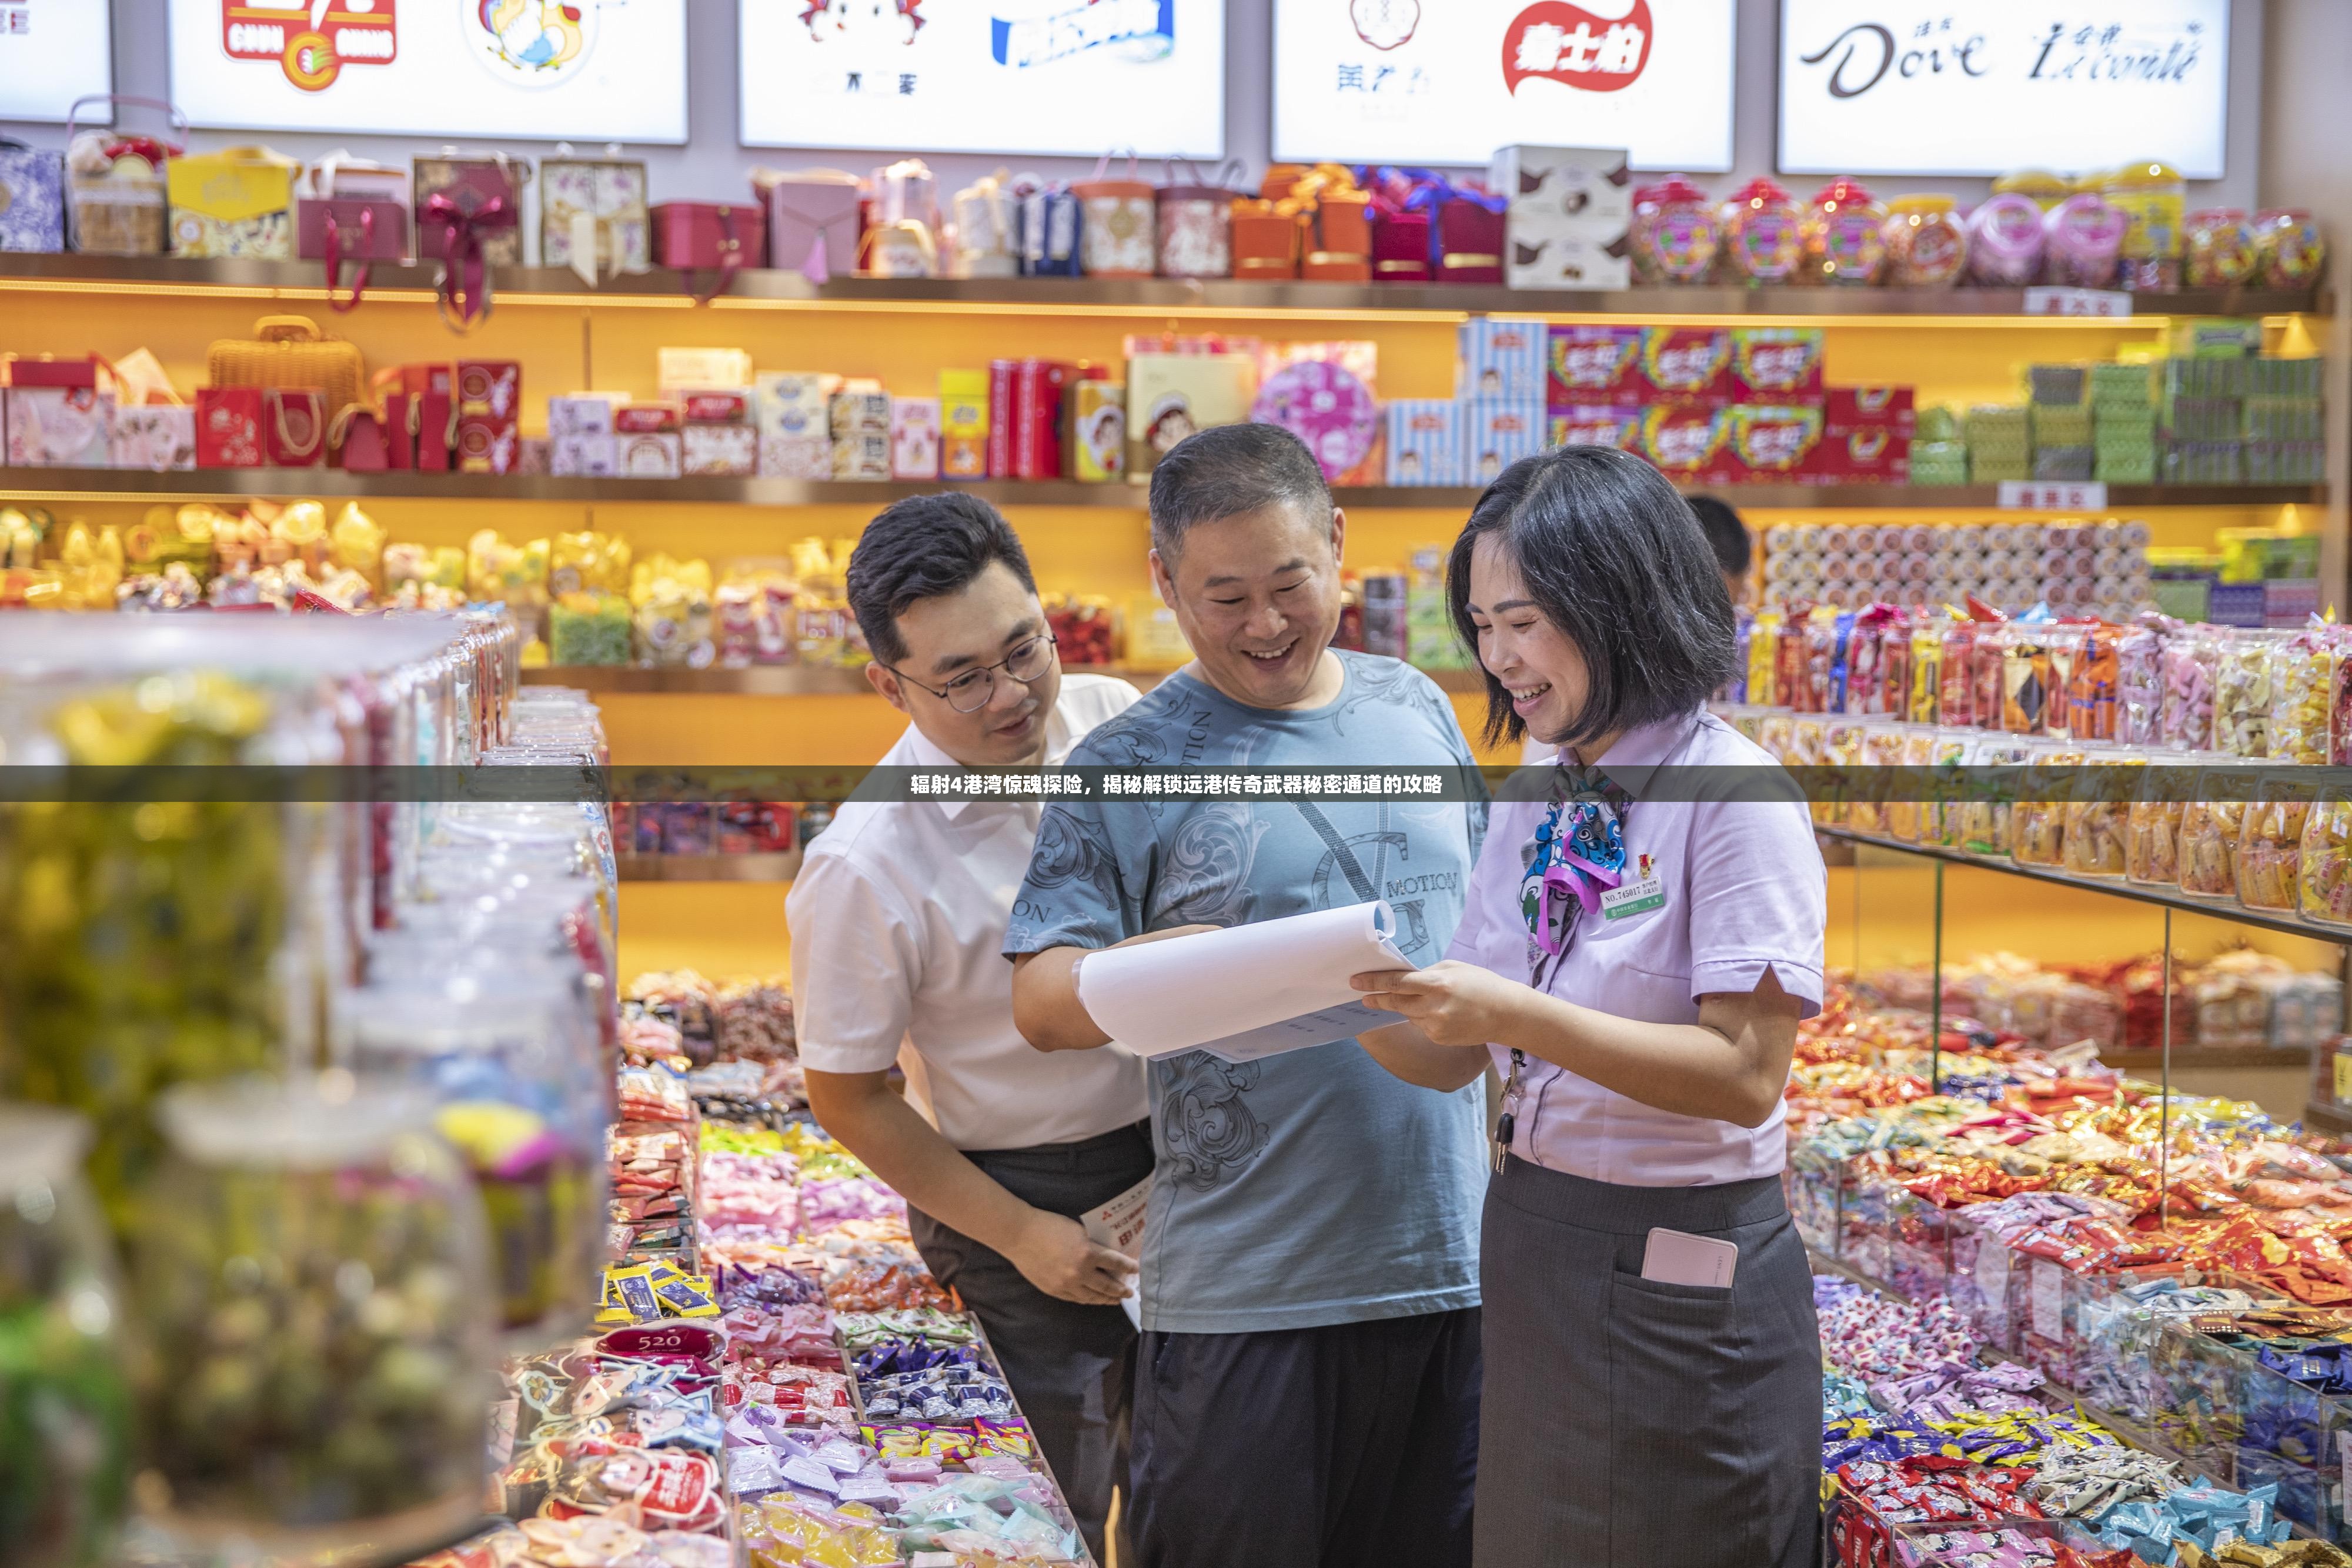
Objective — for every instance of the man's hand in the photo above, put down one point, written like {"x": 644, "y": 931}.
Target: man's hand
{"x": 1054, "y": 1254}
{"x": 1451, "y": 1002}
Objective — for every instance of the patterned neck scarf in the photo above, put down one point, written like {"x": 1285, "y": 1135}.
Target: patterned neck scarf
{"x": 1578, "y": 853}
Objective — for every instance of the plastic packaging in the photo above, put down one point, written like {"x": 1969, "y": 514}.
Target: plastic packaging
{"x": 2242, "y": 693}
{"x": 1762, "y": 240}
{"x": 1985, "y": 808}
{"x": 2270, "y": 843}
{"x": 2083, "y": 239}
{"x": 1843, "y": 233}
{"x": 1926, "y": 245}
{"x": 2210, "y": 823}
{"x": 2152, "y": 826}
{"x": 2325, "y": 878}
{"x": 2151, "y": 198}
{"x": 2303, "y": 688}
{"x": 2037, "y": 830}
{"x": 2139, "y": 686}
{"x": 2005, "y": 241}
{"x": 1676, "y": 234}
{"x": 2292, "y": 250}
{"x": 2097, "y": 816}
{"x": 2219, "y": 243}
{"x": 2192, "y": 667}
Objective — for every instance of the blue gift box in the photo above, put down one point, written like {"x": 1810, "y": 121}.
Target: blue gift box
{"x": 32, "y": 199}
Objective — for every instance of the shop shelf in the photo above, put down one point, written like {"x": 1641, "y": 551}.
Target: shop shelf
{"x": 2148, "y": 1061}
{"x": 780, "y": 867}
{"x": 337, "y": 483}
{"x": 758, "y": 288}
{"x": 820, "y": 680}
{"x": 2223, "y": 909}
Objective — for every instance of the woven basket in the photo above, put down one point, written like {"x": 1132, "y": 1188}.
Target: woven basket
{"x": 290, "y": 351}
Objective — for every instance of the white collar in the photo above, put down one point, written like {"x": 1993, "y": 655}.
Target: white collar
{"x": 922, "y": 753}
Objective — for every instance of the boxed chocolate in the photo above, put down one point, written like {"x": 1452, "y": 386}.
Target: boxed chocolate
{"x": 648, "y": 454}
{"x": 60, "y": 427}
{"x": 1775, "y": 364}
{"x": 796, "y": 456}
{"x": 726, "y": 450}
{"x": 32, "y": 199}
{"x": 964, "y": 424}
{"x": 582, "y": 413}
{"x": 860, "y": 413}
{"x": 1171, "y": 395}
{"x": 861, "y": 456}
{"x": 1686, "y": 364}
{"x": 1503, "y": 360}
{"x": 1553, "y": 189}
{"x": 644, "y": 418}
{"x": 715, "y": 407}
{"x": 1568, "y": 261}
{"x": 1424, "y": 441}
{"x": 587, "y": 456}
{"x": 1498, "y": 434}
{"x": 1863, "y": 455}
{"x": 1593, "y": 364}
{"x": 487, "y": 444}
{"x": 914, "y": 438}
{"x": 795, "y": 404}
{"x": 157, "y": 438}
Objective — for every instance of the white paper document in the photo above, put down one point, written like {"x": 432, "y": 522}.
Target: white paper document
{"x": 1118, "y": 1225}
{"x": 1246, "y": 991}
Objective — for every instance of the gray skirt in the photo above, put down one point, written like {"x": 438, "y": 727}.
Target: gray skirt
{"x": 1626, "y": 1422}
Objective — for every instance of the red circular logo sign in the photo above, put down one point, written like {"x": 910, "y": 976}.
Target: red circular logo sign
{"x": 1568, "y": 43}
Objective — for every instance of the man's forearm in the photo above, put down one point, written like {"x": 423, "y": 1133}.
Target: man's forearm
{"x": 907, "y": 1152}
{"x": 1045, "y": 1006}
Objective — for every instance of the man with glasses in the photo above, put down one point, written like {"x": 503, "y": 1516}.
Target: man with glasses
{"x": 898, "y": 924}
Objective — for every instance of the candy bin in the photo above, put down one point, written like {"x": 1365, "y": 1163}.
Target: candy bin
{"x": 2139, "y": 686}
{"x": 1675, "y": 233}
{"x": 1763, "y": 235}
{"x": 2194, "y": 1404}
{"x": 2096, "y": 826}
{"x": 2037, "y": 830}
{"x": 316, "y": 1314}
{"x": 2270, "y": 843}
{"x": 588, "y": 627}
{"x": 2303, "y": 692}
{"x": 2005, "y": 241}
{"x": 1813, "y": 1184}
{"x": 2083, "y": 241}
{"x": 1843, "y": 236}
{"x": 1994, "y": 771}
{"x": 1986, "y": 1284}
{"x": 2323, "y": 882}
{"x": 2242, "y": 694}
{"x": 2295, "y": 1427}
{"x": 518, "y": 1089}
{"x": 2026, "y": 673}
{"x": 1926, "y": 245}
{"x": 2193, "y": 665}
{"x": 2210, "y": 823}
{"x": 2292, "y": 251}
{"x": 2152, "y": 823}
{"x": 2221, "y": 246}
{"x": 1939, "y": 813}
{"x": 64, "y": 1408}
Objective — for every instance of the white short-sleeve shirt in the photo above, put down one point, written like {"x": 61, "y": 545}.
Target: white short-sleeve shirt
{"x": 897, "y": 921}
{"x": 1744, "y": 890}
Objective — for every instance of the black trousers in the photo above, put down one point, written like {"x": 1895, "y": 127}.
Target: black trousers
{"x": 1072, "y": 1368}
{"x": 1353, "y": 1446}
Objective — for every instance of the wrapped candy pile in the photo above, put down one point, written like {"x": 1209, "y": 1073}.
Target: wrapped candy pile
{"x": 737, "y": 1037}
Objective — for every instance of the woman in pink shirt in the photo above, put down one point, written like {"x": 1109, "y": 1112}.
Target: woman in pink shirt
{"x": 1639, "y": 943}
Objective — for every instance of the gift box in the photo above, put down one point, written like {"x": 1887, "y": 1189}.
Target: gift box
{"x": 348, "y": 230}
{"x": 1861, "y": 408}
{"x": 238, "y": 202}
{"x": 794, "y": 405}
{"x": 859, "y": 413}
{"x": 676, "y": 370}
{"x": 1865, "y": 454}
{"x": 400, "y": 419}
{"x": 796, "y": 456}
{"x": 1046, "y": 231}
{"x": 479, "y": 200}
{"x": 1688, "y": 441}
{"x": 1591, "y": 364}
{"x": 729, "y": 450}
{"x": 1774, "y": 442}
{"x": 1401, "y": 247}
{"x": 436, "y": 431}
{"x": 1325, "y": 405}
{"x": 964, "y": 424}
{"x": 1268, "y": 238}
{"x": 1498, "y": 434}
{"x": 485, "y": 443}
{"x": 158, "y": 437}
{"x": 1339, "y": 249}
{"x": 1169, "y": 396}
{"x": 1686, "y": 364}
{"x": 1590, "y": 425}
{"x": 594, "y": 216}
{"x": 729, "y": 407}
{"x": 1196, "y": 226}
{"x": 1501, "y": 359}
{"x": 648, "y": 454}
{"x": 1569, "y": 261}
{"x": 489, "y": 387}
{"x": 914, "y": 438}
{"x": 813, "y": 220}
{"x": 585, "y": 456}
{"x": 293, "y": 427}
{"x": 229, "y": 427}
{"x": 1118, "y": 223}
{"x": 1096, "y": 440}
{"x": 1424, "y": 441}
{"x": 48, "y": 371}
{"x": 645, "y": 419}
{"x": 987, "y": 229}
{"x": 1025, "y": 420}
{"x": 580, "y": 413}
{"x": 1470, "y": 241}
{"x": 32, "y": 199}
{"x": 701, "y": 235}
{"x": 358, "y": 442}
{"x": 861, "y": 456}
{"x": 1558, "y": 190}
{"x": 1775, "y": 364}
{"x": 58, "y": 426}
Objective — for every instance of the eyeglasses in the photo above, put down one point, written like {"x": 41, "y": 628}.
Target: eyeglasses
{"x": 972, "y": 690}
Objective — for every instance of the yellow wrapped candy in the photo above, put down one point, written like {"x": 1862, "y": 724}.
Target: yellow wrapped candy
{"x": 2324, "y": 866}
{"x": 2270, "y": 844}
{"x": 301, "y": 530}
{"x": 1763, "y": 658}
{"x": 2210, "y": 828}
{"x": 2098, "y": 818}
{"x": 2037, "y": 824}
{"x": 1927, "y": 670}
{"x": 356, "y": 544}
{"x": 168, "y": 534}
{"x": 2152, "y": 829}
{"x": 21, "y": 533}
{"x": 2302, "y": 682}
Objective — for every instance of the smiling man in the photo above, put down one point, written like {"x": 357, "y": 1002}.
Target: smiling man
{"x": 1307, "y": 1391}
{"x": 897, "y": 924}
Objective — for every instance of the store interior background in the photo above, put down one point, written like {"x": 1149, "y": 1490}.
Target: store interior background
{"x": 2289, "y": 120}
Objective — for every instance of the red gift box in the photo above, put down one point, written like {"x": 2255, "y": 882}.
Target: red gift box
{"x": 1686, "y": 364}
{"x": 487, "y": 443}
{"x": 491, "y": 387}
{"x": 364, "y": 230}
{"x": 716, "y": 407}
{"x": 1469, "y": 242}
{"x": 418, "y": 380}
{"x": 437, "y": 418}
{"x": 364, "y": 444}
{"x": 1400, "y": 248}
{"x": 1863, "y": 455}
{"x": 1024, "y": 417}
{"x": 701, "y": 236}
{"x": 1602, "y": 425}
{"x": 1775, "y": 442}
{"x": 46, "y": 372}
{"x": 644, "y": 418}
{"x": 1589, "y": 365}
{"x": 293, "y": 426}
{"x": 1778, "y": 365}
{"x": 229, "y": 427}
{"x": 399, "y": 429}
{"x": 1689, "y": 442}
{"x": 1863, "y": 408}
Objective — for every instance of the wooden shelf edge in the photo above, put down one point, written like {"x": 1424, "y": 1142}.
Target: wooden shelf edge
{"x": 817, "y": 680}
{"x": 780, "y": 867}
{"x": 2197, "y": 1059}
{"x": 337, "y": 483}
{"x": 755, "y": 287}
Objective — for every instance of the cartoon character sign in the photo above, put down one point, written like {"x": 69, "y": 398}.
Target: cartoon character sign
{"x": 310, "y": 40}
{"x": 531, "y": 43}
{"x": 865, "y": 21}
{"x": 1385, "y": 23}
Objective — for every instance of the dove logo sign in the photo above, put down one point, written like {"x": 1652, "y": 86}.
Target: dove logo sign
{"x": 1406, "y": 81}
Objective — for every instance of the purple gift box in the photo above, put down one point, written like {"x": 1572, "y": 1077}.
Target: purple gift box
{"x": 32, "y": 199}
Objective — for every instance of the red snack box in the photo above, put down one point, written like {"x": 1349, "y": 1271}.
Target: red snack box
{"x": 1863, "y": 455}
{"x": 1775, "y": 442}
{"x": 293, "y": 427}
{"x": 492, "y": 387}
{"x": 644, "y": 418}
{"x": 1859, "y": 408}
{"x": 1594, "y": 365}
{"x": 1400, "y": 248}
{"x": 727, "y": 235}
{"x": 399, "y": 430}
{"x": 1775, "y": 364}
{"x": 437, "y": 428}
{"x": 1619, "y": 427}
{"x": 45, "y": 372}
{"x": 1469, "y": 242}
{"x": 487, "y": 444}
{"x": 1688, "y": 441}
{"x": 1037, "y": 390}
{"x": 716, "y": 407}
{"x": 229, "y": 427}
{"x": 1000, "y": 417}
{"x": 418, "y": 380}
{"x": 1686, "y": 364}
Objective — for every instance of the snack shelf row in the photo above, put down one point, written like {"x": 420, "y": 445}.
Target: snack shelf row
{"x": 758, "y": 288}
{"x": 337, "y": 483}
{"x": 776, "y": 867}
{"x": 820, "y": 680}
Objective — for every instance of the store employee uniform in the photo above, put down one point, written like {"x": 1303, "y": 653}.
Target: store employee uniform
{"x": 898, "y": 923}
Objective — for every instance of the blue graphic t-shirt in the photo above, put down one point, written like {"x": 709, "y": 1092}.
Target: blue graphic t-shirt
{"x": 1310, "y": 1188}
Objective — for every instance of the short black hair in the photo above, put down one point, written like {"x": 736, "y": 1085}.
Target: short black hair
{"x": 1230, "y": 469}
{"x": 922, "y": 548}
{"x": 1725, "y": 532}
{"x": 1616, "y": 561}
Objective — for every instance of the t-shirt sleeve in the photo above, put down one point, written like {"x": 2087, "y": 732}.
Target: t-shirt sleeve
{"x": 855, "y": 967}
{"x": 1076, "y": 893}
{"x": 1759, "y": 900}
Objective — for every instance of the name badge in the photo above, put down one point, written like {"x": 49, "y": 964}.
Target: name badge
{"x": 1640, "y": 897}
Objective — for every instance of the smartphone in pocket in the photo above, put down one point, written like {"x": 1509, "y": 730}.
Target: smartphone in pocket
{"x": 1678, "y": 1258}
